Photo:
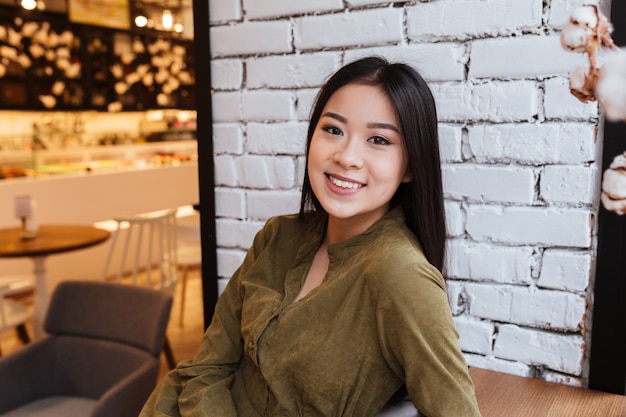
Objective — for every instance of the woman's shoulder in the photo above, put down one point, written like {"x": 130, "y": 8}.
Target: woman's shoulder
{"x": 396, "y": 260}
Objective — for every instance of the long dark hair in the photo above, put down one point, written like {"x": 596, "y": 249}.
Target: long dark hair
{"x": 422, "y": 197}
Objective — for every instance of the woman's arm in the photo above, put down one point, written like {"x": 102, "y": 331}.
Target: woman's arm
{"x": 201, "y": 386}
{"x": 420, "y": 342}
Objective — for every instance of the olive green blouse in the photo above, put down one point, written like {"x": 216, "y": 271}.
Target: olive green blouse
{"x": 379, "y": 319}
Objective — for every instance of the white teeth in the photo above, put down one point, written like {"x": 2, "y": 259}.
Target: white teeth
{"x": 344, "y": 184}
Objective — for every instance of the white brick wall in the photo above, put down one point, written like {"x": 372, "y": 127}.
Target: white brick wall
{"x": 518, "y": 151}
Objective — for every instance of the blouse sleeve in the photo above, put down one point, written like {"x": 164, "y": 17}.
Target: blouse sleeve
{"x": 200, "y": 386}
{"x": 420, "y": 342}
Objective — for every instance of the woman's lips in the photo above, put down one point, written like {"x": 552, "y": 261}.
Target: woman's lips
{"x": 344, "y": 183}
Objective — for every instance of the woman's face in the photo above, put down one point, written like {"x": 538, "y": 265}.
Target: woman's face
{"x": 357, "y": 156}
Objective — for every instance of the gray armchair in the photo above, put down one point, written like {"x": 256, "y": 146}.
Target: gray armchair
{"x": 101, "y": 358}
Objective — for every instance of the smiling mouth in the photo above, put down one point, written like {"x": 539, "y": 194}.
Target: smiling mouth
{"x": 344, "y": 184}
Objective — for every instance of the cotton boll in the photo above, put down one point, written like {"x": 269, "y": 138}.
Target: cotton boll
{"x": 121, "y": 88}
{"x": 577, "y": 79}
{"x": 117, "y": 71}
{"x": 29, "y": 29}
{"x": 614, "y": 186}
{"x": 58, "y": 87}
{"x": 585, "y": 16}
{"x": 127, "y": 58}
{"x": 574, "y": 38}
{"x": 114, "y": 107}
{"x": 611, "y": 86}
{"x": 138, "y": 47}
{"x": 48, "y": 101}
{"x": 73, "y": 71}
{"x": 24, "y": 61}
{"x": 36, "y": 50}
{"x": 582, "y": 83}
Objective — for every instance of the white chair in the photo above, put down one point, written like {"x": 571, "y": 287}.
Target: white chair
{"x": 145, "y": 243}
{"x": 13, "y": 314}
{"x": 18, "y": 285}
{"x": 188, "y": 254}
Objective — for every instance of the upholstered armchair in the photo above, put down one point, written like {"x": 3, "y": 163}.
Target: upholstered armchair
{"x": 100, "y": 358}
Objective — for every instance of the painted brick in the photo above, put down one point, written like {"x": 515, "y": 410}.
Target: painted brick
{"x": 548, "y": 309}
{"x": 258, "y": 9}
{"x": 476, "y": 335}
{"x": 300, "y": 169}
{"x": 533, "y": 56}
{"x": 493, "y": 101}
{"x": 436, "y": 62}
{"x": 568, "y": 184}
{"x": 499, "y": 297}
{"x": 559, "y": 378}
{"x": 530, "y": 226}
{"x": 304, "y": 103}
{"x": 358, "y": 3}
{"x": 559, "y": 103}
{"x": 267, "y": 203}
{"x": 506, "y": 265}
{"x": 450, "y": 140}
{"x": 560, "y": 352}
{"x": 555, "y": 310}
{"x": 548, "y": 143}
{"x": 455, "y": 218}
{"x": 291, "y": 71}
{"x": 277, "y": 138}
{"x": 225, "y": 171}
{"x": 227, "y": 138}
{"x": 221, "y": 285}
{"x": 235, "y": 234}
{"x": 267, "y": 105}
{"x": 226, "y": 74}
{"x": 266, "y": 172}
{"x": 229, "y": 203}
{"x": 226, "y": 107}
{"x": 360, "y": 28}
{"x": 228, "y": 260}
{"x": 251, "y": 38}
{"x": 223, "y": 11}
{"x": 565, "y": 270}
{"x": 475, "y": 182}
{"x": 456, "y": 296}
{"x": 471, "y": 19}
{"x": 499, "y": 365}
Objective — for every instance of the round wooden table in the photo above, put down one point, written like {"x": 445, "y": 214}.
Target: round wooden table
{"x": 50, "y": 240}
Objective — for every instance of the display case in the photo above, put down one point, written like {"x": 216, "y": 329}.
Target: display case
{"x": 49, "y": 62}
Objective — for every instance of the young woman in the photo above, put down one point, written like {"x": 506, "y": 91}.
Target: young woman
{"x": 336, "y": 309}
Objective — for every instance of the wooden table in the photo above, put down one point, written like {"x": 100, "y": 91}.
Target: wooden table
{"x": 504, "y": 395}
{"x": 50, "y": 240}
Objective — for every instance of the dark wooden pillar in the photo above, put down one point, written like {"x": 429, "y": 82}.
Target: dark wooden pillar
{"x": 608, "y": 333}
{"x": 202, "y": 54}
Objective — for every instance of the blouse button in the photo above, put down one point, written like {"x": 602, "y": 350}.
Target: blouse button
{"x": 251, "y": 345}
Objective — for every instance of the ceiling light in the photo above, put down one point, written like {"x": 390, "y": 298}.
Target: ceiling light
{"x": 167, "y": 19}
{"x": 141, "y": 21}
{"x": 29, "y": 4}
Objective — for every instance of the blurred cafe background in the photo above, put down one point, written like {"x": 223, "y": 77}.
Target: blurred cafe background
{"x": 97, "y": 115}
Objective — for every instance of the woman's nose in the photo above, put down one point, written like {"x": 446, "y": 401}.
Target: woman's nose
{"x": 349, "y": 154}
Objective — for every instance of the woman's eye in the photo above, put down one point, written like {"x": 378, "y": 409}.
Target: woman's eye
{"x": 378, "y": 140}
{"x": 333, "y": 130}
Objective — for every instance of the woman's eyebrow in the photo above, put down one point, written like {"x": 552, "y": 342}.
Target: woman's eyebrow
{"x": 335, "y": 116}
{"x": 381, "y": 125}
{"x": 371, "y": 125}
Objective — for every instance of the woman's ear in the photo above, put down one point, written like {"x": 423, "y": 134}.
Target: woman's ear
{"x": 408, "y": 176}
